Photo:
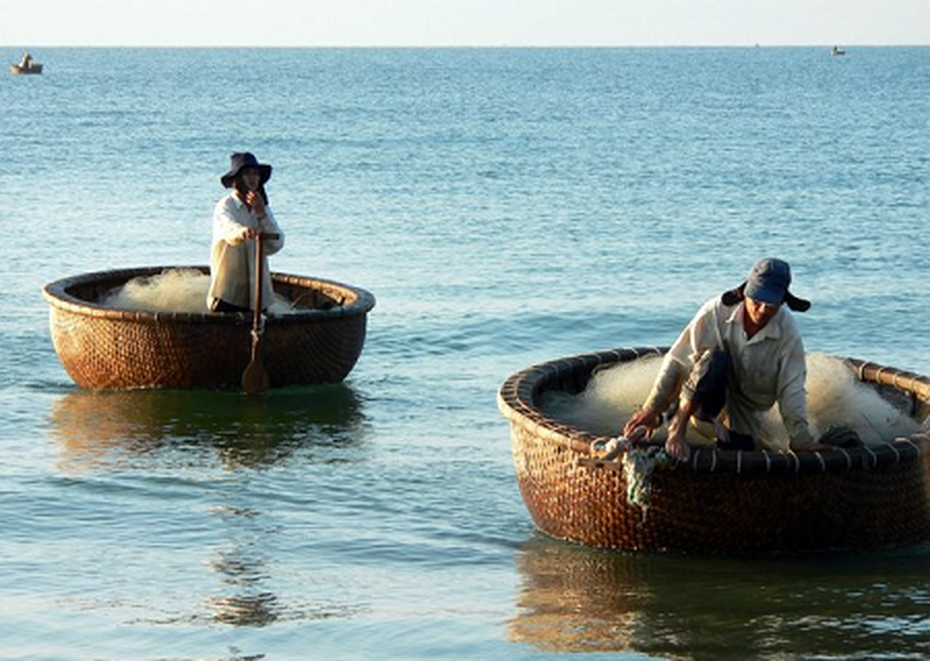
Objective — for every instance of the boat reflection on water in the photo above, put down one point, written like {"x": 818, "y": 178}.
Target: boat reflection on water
{"x": 246, "y": 596}
{"x": 124, "y": 426}
{"x": 225, "y": 440}
{"x": 857, "y": 605}
{"x": 245, "y": 599}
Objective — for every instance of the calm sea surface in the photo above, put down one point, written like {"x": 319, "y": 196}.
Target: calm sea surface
{"x": 505, "y": 207}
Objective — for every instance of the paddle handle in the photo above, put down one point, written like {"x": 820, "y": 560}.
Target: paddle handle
{"x": 255, "y": 378}
{"x": 259, "y": 257}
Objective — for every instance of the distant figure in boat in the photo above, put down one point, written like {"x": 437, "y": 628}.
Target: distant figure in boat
{"x": 739, "y": 355}
{"x": 238, "y": 218}
{"x": 26, "y": 65}
{"x": 837, "y": 51}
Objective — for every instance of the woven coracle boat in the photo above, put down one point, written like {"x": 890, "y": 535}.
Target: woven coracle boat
{"x": 719, "y": 502}
{"x": 318, "y": 341}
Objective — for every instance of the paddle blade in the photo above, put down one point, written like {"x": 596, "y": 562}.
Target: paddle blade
{"x": 255, "y": 378}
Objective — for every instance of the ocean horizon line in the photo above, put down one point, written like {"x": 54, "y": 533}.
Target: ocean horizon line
{"x": 457, "y": 46}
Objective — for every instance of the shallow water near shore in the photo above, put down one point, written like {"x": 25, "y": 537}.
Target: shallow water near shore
{"x": 505, "y": 207}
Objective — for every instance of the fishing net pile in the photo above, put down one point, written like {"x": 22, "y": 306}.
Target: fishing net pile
{"x": 841, "y": 409}
{"x": 173, "y": 290}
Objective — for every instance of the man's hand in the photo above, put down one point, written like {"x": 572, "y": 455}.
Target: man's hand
{"x": 648, "y": 420}
{"x": 675, "y": 445}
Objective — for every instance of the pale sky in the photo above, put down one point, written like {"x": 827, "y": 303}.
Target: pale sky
{"x": 36, "y": 23}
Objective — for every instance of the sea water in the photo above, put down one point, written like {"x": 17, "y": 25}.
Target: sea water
{"x": 505, "y": 206}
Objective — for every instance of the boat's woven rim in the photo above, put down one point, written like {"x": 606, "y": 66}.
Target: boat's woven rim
{"x": 516, "y": 400}
{"x": 360, "y": 301}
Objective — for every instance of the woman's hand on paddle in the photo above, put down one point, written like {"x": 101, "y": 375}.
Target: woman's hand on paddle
{"x": 250, "y": 233}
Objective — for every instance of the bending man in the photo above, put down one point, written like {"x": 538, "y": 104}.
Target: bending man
{"x": 741, "y": 354}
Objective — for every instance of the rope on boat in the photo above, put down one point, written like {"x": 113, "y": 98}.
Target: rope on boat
{"x": 638, "y": 463}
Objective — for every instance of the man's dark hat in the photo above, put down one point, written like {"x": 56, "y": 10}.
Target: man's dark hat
{"x": 768, "y": 282}
{"x": 241, "y": 160}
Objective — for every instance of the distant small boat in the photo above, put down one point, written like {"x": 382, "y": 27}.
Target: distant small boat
{"x": 837, "y": 51}
{"x": 26, "y": 66}
{"x": 17, "y": 69}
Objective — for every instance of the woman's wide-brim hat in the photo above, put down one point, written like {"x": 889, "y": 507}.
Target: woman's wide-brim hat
{"x": 241, "y": 160}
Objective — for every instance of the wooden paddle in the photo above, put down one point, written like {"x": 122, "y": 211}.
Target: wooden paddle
{"x": 255, "y": 377}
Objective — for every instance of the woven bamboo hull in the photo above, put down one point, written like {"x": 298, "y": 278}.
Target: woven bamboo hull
{"x": 103, "y": 348}
{"x": 718, "y": 502}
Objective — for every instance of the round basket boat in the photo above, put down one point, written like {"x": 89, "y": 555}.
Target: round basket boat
{"x": 318, "y": 341}
{"x": 719, "y": 502}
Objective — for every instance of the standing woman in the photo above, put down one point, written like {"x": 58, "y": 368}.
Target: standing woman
{"x": 238, "y": 219}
